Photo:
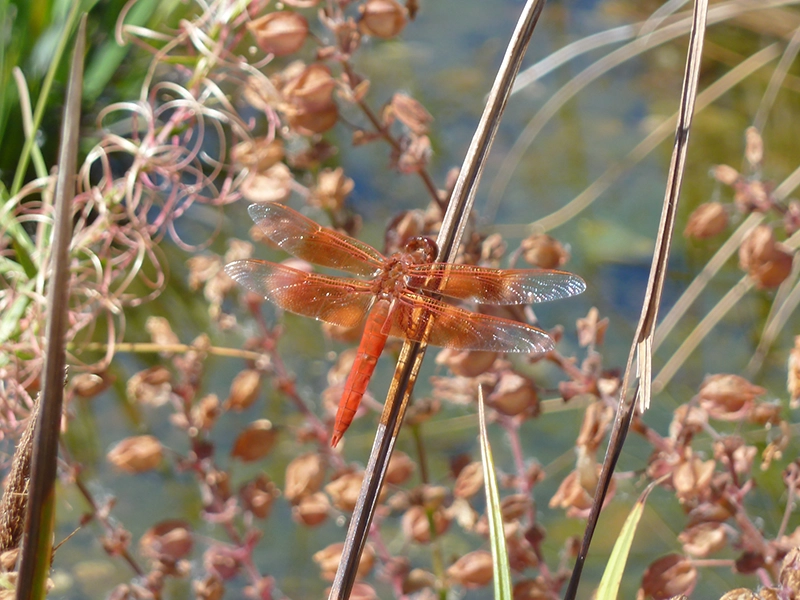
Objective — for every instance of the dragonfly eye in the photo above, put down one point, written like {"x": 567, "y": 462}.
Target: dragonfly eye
{"x": 422, "y": 249}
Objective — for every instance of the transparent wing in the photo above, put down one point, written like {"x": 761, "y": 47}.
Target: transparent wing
{"x": 496, "y": 286}
{"x": 302, "y": 237}
{"x": 460, "y": 329}
{"x": 335, "y": 300}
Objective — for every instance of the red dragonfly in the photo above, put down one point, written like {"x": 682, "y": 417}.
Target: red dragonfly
{"x": 392, "y": 295}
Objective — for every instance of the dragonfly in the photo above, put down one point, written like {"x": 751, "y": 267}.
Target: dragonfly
{"x": 397, "y": 295}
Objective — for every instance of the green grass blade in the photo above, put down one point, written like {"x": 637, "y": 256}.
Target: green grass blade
{"x": 502, "y": 570}
{"x": 612, "y": 576}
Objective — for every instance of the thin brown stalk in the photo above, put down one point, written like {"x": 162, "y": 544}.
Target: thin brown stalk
{"x": 412, "y": 353}
{"x": 37, "y": 545}
{"x": 641, "y": 348}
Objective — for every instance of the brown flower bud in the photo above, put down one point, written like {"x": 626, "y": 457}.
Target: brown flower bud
{"x": 727, "y": 397}
{"x": 332, "y": 189}
{"x": 596, "y": 420}
{"x": 514, "y": 395}
{"x": 753, "y": 147}
{"x": 258, "y": 154}
{"x": 764, "y": 259}
{"x": 704, "y": 539}
{"x": 472, "y": 570}
{"x": 543, "y": 251}
{"x": 400, "y": 468}
{"x": 574, "y": 497}
{"x": 382, "y": 18}
{"x": 244, "y": 390}
{"x": 725, "y": 174}
{"x": 304, "y": 476}
{"x": 344, "y": 490}
{"x": 416, "y": 524}
{"x": 258, "y": 495}
{"x": 312, "y": 510}
{"x": 466, "y": 363}
{"x": 762, "y": 413}
{"x": 469, "y": 481}
{"x": 255, "y": 442}
{"x": 414, "y": 155}
{"x": 136, "y": 454}
{"x": 280, "y": 33}
{"x": 706, "y": 221}
{"x": 669, "y": 576}
{"x": 329, "y": 558}
{"x": 167, "y": 541}
{"x": 272, "y": 185}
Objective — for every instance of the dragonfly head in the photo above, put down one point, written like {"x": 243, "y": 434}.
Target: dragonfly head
{"x": 421, "y": 250}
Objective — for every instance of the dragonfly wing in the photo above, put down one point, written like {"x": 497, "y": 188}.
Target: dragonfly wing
{"x": 305, "y": 239}
{"x": 335, "y": 300}
{"x": 496, "y": 286}
{"x": 460, "y": 329}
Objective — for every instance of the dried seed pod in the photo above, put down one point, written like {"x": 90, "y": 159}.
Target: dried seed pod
{"x": 382, "y": 18}
{"x": 272, "y": 185}
{"x": 206, "y": 412}
{"x": 416, "y": 524}
{"x": 344, "y": 490}
{"x": 400, "y": 468}
{"x": 88, "y": 385}
{"x": 531, "y": 589}
{"x": 669, "y": 576}
{"x": 161, "y": 331}
{"x": 410, "y": 112}
{"x": 304, "y": 476}
{"x": 167, "y": 541}
{"x": 514, "y": 395}
{"x": 255, "y": 442}
{"x": 707, "y": 220}
{"x": 280, "y": 33}
{"x": 244, "y": 390}
{"x": 362, "y": 591}
{"x": 544, "y": 251}
{"x": 209, "y": 588}
{"x": 329, "y": 558}
{"x": 312, "y": 510}
{"x": 472, "y": 570}
{"x": 258, "y": 496}
{"x": 692, "y": 478}
{"x": 220, "y": 561}
{"x": 727, "y": 397}
{"x": 753, "y": 147}
{"x": 592, "y": 329}
{"x": 258, "y": 154}
{"x": 136, "y": 454}
{"x": 726, "y": 174}
{"x": 332, "y": 189}
{"x": 151, "y": 386}
{"x": 790, "y": 573}
{"x": 469, "y": 481}
{"x": 764, "y": 259}
{"x": 793, "y": 378}
{"x": 466, "y": 363}
{"x": 704, "y": 539}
